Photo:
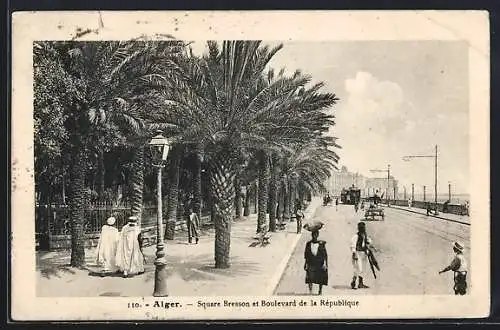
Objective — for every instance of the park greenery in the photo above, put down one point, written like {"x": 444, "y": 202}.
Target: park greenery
{"x": 234, "y": 124}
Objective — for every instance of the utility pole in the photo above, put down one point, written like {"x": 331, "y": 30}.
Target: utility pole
{"x": 388, "y": 180}
{"x": 436, "y": 179}
{"x": 424, "y": 193}
{"x": 412, "y": 192}
{"x": 449, "y": 191}
{"x": 435, "y": 156}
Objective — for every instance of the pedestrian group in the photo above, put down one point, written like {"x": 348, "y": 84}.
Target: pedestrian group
{"x": 362, "y": 256}
{"x": 121, "y": 251}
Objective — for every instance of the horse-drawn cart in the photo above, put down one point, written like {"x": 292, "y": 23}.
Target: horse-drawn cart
{"x": 374, "y": 212}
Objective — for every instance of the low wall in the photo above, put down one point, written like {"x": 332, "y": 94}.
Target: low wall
{"x": 452, "y": 208}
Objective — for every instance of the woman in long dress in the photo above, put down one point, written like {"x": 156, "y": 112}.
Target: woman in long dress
{"x": 316, "y": 262}
{"x": 106, "y": 248}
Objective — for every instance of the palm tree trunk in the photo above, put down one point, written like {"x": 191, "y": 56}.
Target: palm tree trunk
{"x": 137, "y": 182}
{"x": 173, "y": 191}
{"x": 255, "y": 194}
{"x": 221, "y": 182}
{"x": 273, "y": 196}
{"x": 286, "y": 201}
{"x": 281, "y": 202}
{"x": 263, "y": 190}
{"x": 101, "y": 173}
{"x": 238, "y": 192}
{"x": 63, "y": 189}
{"x": 77, "y": 205}
{"x": 300, "y": 192}
{"x": 293, "y": 195}
{"x": 197, "y": 184}
{"x": 246, "y": 211}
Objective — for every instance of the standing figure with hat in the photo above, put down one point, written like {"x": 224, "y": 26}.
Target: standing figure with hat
{"x": 193, "y": 222}
{"x": 129, "y": 257}
{"x": 106, "y": 248}
{"x": 299, "y": 214}
{"x": 316, "y": 259}
{"x": 459, "y": 267}
{"x": 360, "y": 244}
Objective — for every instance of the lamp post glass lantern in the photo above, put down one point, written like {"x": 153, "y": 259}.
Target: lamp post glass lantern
{"x": 159, "y": 147}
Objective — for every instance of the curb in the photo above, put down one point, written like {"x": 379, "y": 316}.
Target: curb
{"x": 275, "y": 279}
{"x": 434, "y": 216}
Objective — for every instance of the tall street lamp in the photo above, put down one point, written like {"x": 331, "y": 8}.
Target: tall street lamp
{"x": 159, "y": 147}
{"x": 435, "y": 156}
{"x": 388, "y": 180}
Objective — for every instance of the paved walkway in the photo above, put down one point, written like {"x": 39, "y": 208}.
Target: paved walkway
{"x": 191, "y": 272}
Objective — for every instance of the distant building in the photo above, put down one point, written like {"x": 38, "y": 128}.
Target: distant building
{"x": 343, "y": 179}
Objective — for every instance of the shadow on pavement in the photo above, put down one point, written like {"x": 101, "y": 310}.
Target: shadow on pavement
{"x": 110, "y": 294}
{"x": 341, "y": 287}
{"x": 201, "y": 268}
{"x": 59, "y": 271}
{"x": 103, "y": 274}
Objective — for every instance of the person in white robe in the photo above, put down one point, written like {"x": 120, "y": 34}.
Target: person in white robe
{"x": 129, "y": 257}
{"x": 106, "y": 248}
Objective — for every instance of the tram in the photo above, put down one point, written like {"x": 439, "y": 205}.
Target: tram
{"x": 350, "y": 196}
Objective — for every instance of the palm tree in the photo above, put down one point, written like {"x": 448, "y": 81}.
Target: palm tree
{"x": 197, "y": 192}
{"x": 273, "y": 191}
{"x": 232, "y": 106}
{"x": 103, "y": 83}
{"x": 263, "y": 189}
{"x": 173, "y": 173}
{"x": 311, "y": 164}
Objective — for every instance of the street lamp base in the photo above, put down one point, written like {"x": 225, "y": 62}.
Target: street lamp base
{"x": 160, "y": 289}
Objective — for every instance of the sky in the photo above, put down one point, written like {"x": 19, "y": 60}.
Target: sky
{"x": 397, "y": 98}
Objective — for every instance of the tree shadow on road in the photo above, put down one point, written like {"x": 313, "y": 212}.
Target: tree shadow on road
{"x": 59, "y": 271}
{"x": 201, "y": 268}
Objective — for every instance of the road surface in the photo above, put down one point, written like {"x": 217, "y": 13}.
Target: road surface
{"x": 413, "y": 248}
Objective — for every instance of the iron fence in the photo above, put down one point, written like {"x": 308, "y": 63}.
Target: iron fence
{"x": 55, "y": 219}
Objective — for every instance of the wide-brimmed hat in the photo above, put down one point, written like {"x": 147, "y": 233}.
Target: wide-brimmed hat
{"x": 314, "y": 226}
{"x": 132, "y": 218}
{"x": 459, "y": 246}
{"x": 111, "y": 221}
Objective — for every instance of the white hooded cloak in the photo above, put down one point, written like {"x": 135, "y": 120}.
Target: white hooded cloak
{"x": 129, "y": 258}
{"x": 106, "y": 248}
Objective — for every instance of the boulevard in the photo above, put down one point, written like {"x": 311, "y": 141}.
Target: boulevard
{"x": 412, "y": 249}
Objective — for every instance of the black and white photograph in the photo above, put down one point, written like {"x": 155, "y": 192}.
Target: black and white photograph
{"x": 196, "y": 167}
